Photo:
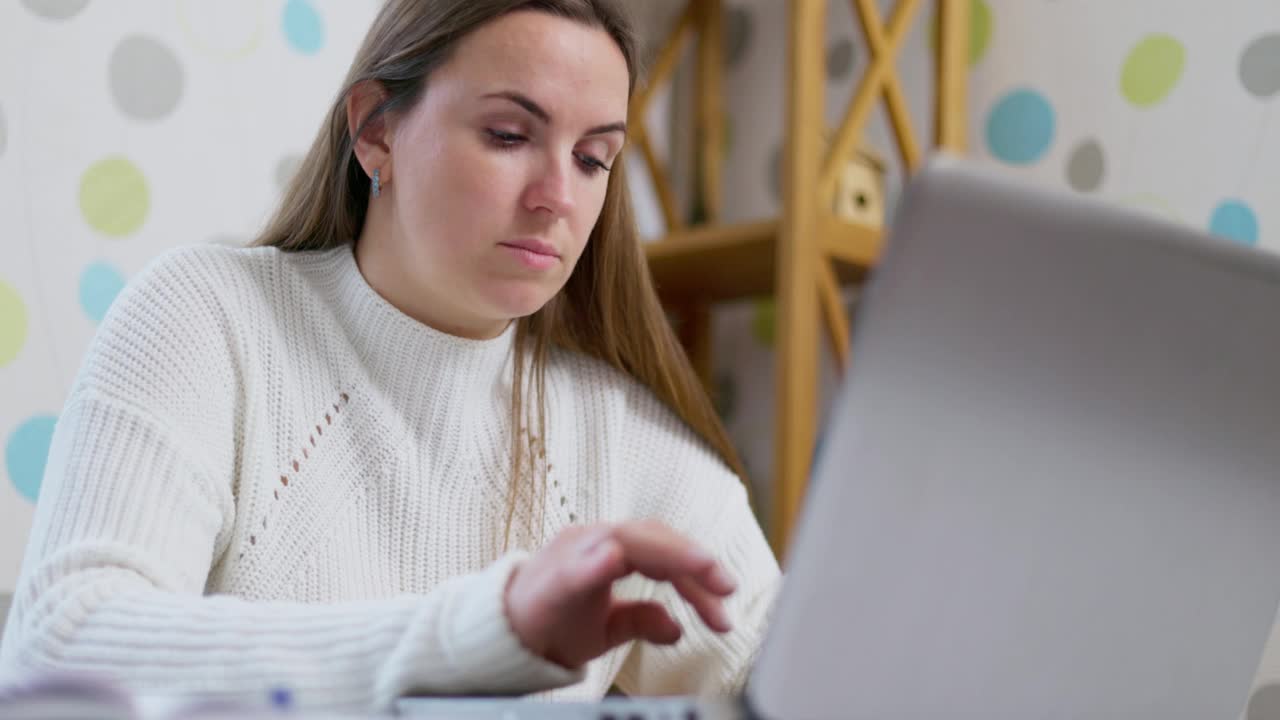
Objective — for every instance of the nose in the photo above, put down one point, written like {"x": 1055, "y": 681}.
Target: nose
{"x": 551, "y": 188}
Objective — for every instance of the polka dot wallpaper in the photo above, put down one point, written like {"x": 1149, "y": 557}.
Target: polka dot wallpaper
{"x": 128, "y": 127}
{"x": 131, "y": 126}
{"x": 1147, "y": 103}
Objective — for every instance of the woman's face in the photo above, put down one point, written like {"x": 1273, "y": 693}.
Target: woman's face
{"x": 498, "y": 174}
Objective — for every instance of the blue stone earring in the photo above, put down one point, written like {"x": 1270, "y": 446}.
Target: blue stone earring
{"x": 377, "y": 182}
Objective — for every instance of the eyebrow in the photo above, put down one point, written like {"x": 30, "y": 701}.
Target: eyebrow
{"x": 536, "y": 110}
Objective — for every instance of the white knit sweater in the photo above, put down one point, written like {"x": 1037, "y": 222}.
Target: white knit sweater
{"x": 265, "y": 475}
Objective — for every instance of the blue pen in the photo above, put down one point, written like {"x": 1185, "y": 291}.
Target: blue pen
{"x": 281, "y": 698}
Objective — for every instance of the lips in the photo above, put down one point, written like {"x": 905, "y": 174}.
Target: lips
{"x": 533, "y": 245}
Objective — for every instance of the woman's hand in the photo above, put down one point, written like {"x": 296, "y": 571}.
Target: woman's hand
{"x": 560, "y": 601}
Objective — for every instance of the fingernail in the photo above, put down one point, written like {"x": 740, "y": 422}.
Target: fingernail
{"x": 723, "y": 616}
{"x": 723, "y": 579}
{"x": 592, "y": 542}
{"x": 597, "y": 549}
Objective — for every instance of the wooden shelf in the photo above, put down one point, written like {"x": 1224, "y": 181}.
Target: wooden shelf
{"x": 805, "y": 255}
{"x": 849, "y": 244}
{"x": 718, "y": 263}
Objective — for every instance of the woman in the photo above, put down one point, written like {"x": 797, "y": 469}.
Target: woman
{"x": 433, "y": 435}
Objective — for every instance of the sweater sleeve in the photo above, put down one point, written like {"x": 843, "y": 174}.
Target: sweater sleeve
{"x": 137, "y": 503}
{"x": 691, "y": 489}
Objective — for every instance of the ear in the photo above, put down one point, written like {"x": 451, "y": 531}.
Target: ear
{"x": 373, "y": 146}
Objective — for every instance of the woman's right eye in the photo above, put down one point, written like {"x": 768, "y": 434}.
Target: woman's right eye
{"x": 505, "y": 139}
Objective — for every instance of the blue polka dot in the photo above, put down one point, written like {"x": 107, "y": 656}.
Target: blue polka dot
{"x": 25, "y": 454}
{"x": 1235, "y": 220}
{"x": 303, "y": 27}
{"x": 1020, "y": 127}
{"x": 99, "y": 285}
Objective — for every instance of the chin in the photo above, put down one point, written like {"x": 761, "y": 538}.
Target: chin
{"x": 520, "y": 301}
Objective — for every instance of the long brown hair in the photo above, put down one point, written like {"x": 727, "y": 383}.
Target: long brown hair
{"x": 608, "y": 308}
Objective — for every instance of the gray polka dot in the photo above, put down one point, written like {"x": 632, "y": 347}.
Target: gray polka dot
{"x": 726, "y": 396}
{"x": 1265, "y": 703}
{"x": 4, "y": 132}
{"x": 1260, "y": 66}
{"x": 285, "y": 170}
{"x": 775, "y": 172}
{"x": 1086, "y": 166}
{"x": 738, "y": 29}
{"x": 840, "y": 59}
{"x": 146, "y": 79}
{"x": 55, "y": 9}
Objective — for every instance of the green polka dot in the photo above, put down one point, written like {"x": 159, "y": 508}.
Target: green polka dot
{"x": 980, "y": 22}
{"x": 13, "y": 324}
{"x": 113, "y": 197}
{"x": 979, "y": 30}
{"x": 763, "y": 321}
{"x": 1152, "y": 69}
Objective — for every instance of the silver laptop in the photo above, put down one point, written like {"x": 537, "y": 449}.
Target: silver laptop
{"x": 1051, "y": 484}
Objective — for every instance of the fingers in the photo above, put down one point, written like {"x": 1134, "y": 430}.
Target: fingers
{"x": 597, "y": 560}
{"x": 709, "y": 606}
{"x": 646, "y": 621}
{"x": 604, "y": 554}
{"x": 661, "y": 553}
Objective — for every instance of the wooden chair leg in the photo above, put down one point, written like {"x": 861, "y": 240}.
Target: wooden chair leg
{"x": 952, "y": 62}
{"x": 798, "y": 256}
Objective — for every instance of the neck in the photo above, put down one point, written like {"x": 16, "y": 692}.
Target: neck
{"x": 379, "y": 256}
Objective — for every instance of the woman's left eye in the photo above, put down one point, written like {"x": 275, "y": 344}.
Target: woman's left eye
{"x": 589, "y": 164}
{"x": 505, "y": 139}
